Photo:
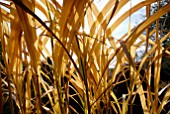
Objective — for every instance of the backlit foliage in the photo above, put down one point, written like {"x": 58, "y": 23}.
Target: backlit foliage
{"x": 80, "y": 57}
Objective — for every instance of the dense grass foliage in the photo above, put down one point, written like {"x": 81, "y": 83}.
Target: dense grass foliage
{"x": 57, "y": 61}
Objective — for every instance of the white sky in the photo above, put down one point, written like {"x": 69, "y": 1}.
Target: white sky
{"x": 136, "y": 18}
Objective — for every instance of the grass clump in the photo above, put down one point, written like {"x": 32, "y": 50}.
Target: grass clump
{"x": 74, "y": 78}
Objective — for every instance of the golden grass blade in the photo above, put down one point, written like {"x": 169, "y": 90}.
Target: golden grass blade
{"x": 40, "y": 7}
{"x": 63, "y": 21}
{"x": 31, "y": 39}
{"x": 28, "y": 96}
{"x": 116, "y": 101}
{"x": 127, "y": 54}
{"x": 164, "y": 101}
{"x": 141, "y": 93}
{"x": 147, "y": 30}
{"x": 5, "y": 50}
{"x": 102, "y": 15}
{"x": 157, "y": 70}
{"x": 47, "y": 92}
{"x": 1, "y": 36}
